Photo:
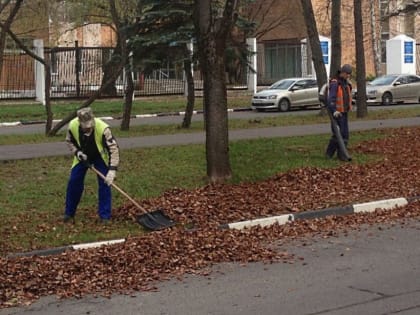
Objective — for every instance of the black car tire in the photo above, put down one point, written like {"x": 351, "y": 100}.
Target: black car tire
{"x": 387, "y": 98}
{"x": 284, "y": 105}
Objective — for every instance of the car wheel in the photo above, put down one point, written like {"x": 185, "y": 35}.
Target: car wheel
{"x": 284, "y": 105}
{"x": 387, "y": 98}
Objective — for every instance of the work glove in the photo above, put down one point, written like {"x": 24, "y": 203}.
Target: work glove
{"x": 337, "y": 114}
{"x": 110, "y": 176}
{"x": 81, "y": 156}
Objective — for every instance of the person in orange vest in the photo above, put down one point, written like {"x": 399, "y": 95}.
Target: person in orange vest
{"x": 339, "y": 103}
{"x": 91, "y": 142}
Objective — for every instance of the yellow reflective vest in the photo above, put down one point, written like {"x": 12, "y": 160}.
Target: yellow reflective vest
{"x": 98, "y": 130}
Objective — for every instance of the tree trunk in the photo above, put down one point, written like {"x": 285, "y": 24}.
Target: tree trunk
{"x": 335, "y": 37}
{"x": 312, "y": 31}
{"x": 128, "y": 98}
{"x": 48, "y": 125}
{"x": 109, "y": 69}
{"x": 360, "y": 60}
{"x": 186, "y": 123}
{"x": 375, "y": 43}
{"x": 215, "y": 111}
{"x": 212, "y": 27}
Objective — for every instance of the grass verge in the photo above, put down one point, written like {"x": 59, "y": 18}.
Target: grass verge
{"x": 108, "y": 107}
{"x": 32, "y": 192}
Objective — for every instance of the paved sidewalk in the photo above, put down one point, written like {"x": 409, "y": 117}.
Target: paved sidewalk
{"x": 28, "y": 151}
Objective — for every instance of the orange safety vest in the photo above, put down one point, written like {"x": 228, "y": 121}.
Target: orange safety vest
{"x": 339, "y": 102}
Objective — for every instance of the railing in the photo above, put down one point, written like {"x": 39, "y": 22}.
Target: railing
{"x": 77, "y": 72}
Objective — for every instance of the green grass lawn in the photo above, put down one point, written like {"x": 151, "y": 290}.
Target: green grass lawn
{"x": 107, "y": 107}
{"x": 32, "y": 192}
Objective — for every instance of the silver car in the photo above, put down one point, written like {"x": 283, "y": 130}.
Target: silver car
{"x": 393, "y": 88}
{"x": 286, "y": 94}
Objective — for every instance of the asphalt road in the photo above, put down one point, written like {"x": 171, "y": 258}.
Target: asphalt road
{"x": 27, "y": 151}
{"x": 374, "y": 271}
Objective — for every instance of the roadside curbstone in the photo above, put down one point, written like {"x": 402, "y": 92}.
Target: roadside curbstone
{"x": 42, "y": 252}
{"x": 97, "y": 244}
{"x": 62, "y": 249}
{"x": 381, "y": 204}
{"x": 386, "y": 204}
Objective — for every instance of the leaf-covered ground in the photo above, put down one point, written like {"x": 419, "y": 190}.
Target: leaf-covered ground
{"x": 139, "y": 262}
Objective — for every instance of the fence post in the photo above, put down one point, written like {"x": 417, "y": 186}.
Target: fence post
{"x": 78, "y": 67}
{"x": 39, "y": 72}
{"x": 252, "y": 70}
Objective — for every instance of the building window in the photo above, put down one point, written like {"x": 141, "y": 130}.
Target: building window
{"x": 282, "y": 61}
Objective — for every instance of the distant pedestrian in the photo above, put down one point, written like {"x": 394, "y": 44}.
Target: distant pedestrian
{"x": 339, "y": 102}
{"x": 91, "y": 142}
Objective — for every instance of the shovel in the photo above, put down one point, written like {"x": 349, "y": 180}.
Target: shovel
{"x": 154, "y": 220}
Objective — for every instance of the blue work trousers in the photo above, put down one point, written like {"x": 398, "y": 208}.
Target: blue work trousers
{"x": 76, "y": 186}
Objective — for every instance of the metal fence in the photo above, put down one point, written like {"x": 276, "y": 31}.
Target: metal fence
{"x": 17, "y": 77}
{"x": 77, "y": 72}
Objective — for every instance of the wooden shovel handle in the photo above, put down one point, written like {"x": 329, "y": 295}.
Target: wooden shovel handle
{"x": 119, "y": 189}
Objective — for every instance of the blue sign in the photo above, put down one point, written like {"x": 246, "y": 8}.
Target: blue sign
{"x": 408, "y": 59}
{"x": 325, "y": 58}
{"x": 324, "y": 48}
{"x": 408, "y": 52}
{"x": 408, "y": 48}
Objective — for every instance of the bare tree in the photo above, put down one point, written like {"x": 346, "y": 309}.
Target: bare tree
{"x": 360, "y": 60}
{"x": 407, "y": 7}
{"x": 310, "y": 22}
{"x": 118, "y": 65}
{"x": 16, "y": 5}
{"x": 5, "y": 30}
{"x": 47, "y": 70}
{"x": 213, "y": 23}
{"x": 260, "y": 13}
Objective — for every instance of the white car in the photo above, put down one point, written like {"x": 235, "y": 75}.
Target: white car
{"x": 286, "y": 94}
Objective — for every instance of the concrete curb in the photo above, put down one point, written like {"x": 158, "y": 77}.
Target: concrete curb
{"x": 60, "y": 250}
{"x": 386, "y": 204}
{"x": 35, "y": 122}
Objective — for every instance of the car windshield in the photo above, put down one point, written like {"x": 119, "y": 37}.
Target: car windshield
{"x": 282, "y": 85}
{"x": 384, "y": 80}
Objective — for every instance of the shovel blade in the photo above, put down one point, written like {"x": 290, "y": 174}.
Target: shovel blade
{"x": 155, "y": 220}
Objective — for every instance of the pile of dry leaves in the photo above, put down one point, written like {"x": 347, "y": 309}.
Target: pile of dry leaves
{"x": 139, "y": 262}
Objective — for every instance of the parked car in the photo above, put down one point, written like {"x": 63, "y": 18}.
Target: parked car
{"x": 286, "y": 94}
{"x": 393, "y": 88}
